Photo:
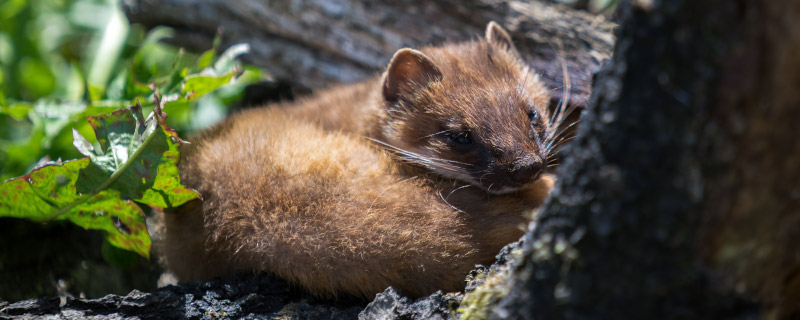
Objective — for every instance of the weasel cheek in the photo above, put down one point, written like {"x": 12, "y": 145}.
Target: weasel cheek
{"x": 538, "y": 191}
{"x": 457, "y": 174}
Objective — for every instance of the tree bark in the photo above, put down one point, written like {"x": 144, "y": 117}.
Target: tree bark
{"x": 317, "y": 43}
{"x": 679, "y": 198}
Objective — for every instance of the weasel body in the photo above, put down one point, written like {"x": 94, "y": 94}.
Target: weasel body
{"x": 407, "y": 180}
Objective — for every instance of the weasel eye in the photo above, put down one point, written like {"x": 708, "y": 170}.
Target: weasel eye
{"x": 459, "y": 138}
{"x": 533, "y": 115}
{"x": 536, "y": 121}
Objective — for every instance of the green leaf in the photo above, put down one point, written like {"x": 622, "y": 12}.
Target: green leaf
{"x": 48, "y": 190}
{"x": 106, "y": 49}
{"x": 136, "y": 159}
{"x": 205, "y": 59}
{"x": 18, "y": 111}
{"x": 223, "y": 72}
{"x": 227, "y": 60}
{"x": 198, "y": 85}
{"x": 39, "y": 79}
{"x": 53, "y": 116}
{"x": 140, "y": 155}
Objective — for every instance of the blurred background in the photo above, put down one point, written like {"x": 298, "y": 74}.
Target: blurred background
{"x": 64, "y": 60}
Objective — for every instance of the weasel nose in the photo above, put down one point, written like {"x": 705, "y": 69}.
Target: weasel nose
{"x": 526, "y": 173}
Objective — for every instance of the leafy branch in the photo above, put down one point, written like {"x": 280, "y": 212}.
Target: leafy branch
{"x": 137, "y": 160}
{"x": 133, "y": 161}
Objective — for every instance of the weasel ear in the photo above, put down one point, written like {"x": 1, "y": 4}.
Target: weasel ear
{"x": 408, "y": 70}
{"x": 495, "y": 34}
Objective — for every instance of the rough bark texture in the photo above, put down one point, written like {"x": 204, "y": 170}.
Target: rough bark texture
{"x": 315, "y": 43}
{"x": 246, "y": 297}
{"x": 679, "y": 197}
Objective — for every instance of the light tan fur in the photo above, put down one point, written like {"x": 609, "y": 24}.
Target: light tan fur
{"x": 324, "y": 194}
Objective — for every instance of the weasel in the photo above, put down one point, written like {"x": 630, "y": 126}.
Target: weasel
{"x": 405, "y": 180}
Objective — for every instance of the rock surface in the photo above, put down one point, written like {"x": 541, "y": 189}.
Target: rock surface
{"x": 239, "y": 298}
{"x": 247, "y": 297}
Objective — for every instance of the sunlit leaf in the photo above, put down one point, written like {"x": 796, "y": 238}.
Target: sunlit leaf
{"x": 18, "y": 111}
{"x": 227, "y": 60}
{"x": 50, "y": 193}
{"x": 77, "y": 59}
{"x": 210, "y": 79}
{"x": 137, "y": 159}
{"x": 199, "y": 85}
{"x": 141, "y": 155}
{"x": 11, "y": 8}
{"x": 205, "y": 59}
{"x": 53, "y": 116}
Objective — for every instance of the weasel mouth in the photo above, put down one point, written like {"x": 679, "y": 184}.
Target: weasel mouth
{"x": 508, "y": 183}
{"x": 503, "y": 190}
{"x": 492, "y": 184}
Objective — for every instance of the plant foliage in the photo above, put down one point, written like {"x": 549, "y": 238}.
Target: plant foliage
{"x": 68, "y": 69}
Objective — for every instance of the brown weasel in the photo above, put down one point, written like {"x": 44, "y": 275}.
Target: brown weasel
{"x": 406, "y": 180}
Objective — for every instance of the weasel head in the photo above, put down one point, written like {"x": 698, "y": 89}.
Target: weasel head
{"x": 473, "y": 112}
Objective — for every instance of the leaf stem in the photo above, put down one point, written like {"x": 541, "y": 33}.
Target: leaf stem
{"x": 110, "y": 179}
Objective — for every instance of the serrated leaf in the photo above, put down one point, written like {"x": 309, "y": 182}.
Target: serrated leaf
{"x": 44, "y": 193}
{"x": 141, "y": 155}
{"x": 137, "y": 160}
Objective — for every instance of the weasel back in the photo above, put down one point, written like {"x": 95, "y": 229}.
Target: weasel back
{"x": 325, "y": 210}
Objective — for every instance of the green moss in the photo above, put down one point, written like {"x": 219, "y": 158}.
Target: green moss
{"x": 477, "y": 304}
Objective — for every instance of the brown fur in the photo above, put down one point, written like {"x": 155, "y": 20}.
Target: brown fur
{"x": 297, "y": 190}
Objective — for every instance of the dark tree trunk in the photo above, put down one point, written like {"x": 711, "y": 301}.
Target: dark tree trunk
{"x": 680, "y": 196}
